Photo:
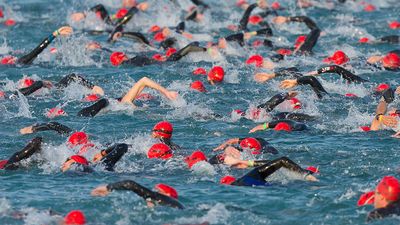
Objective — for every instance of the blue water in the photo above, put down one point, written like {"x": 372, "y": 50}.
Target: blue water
{"x": 350, "y": 161}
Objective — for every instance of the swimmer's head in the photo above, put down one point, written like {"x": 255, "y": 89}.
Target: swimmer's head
{"x": 166, "y": 190}
{"x": 295, "y": 103}
{"x": 300, "y": 41}
{"x": 77, "y": 161}
{"x": 170, "y": 51}
{"x": 75, "y": 217}
{"x": 198, "y": 86}
{"x": 391, "y": 61}
{"x": 227, "y": 180}
{"x": 387, "y": 191}
{"x": 160, "y": 151}
{"x": 255, "y": 19}
{"x": 200, "y": 71}
{"x": 338, "y": 58}
{"x": 382, "y": 87}
{"x": 117, "y": 58}
{"x": 216, "y": 75}
{"x": 8, "y": 60}
{"x": 194, "y": 158}
{"x": 256, "y": 60}
{"x": 283, "y": 126}
{"x": 252, "y": 144}
{"x": 163, "y": 129}
{"x": 121, "y": 13}
{"x": 78, "y": 138}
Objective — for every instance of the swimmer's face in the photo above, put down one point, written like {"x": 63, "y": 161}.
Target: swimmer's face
{"x": 380, "y": 201}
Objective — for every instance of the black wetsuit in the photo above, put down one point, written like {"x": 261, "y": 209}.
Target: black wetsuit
{"x": 393, "y": 209}
{"x": 31, "y": 89}
{"x": 112, "y": 155}
{"x": 257, "y": 176}
{"x": 245, "y": 20}
{"x": 59, "y": 128}
{"x": 314, "y": 83}
{"x": 347, "y": 75}
{"x": 145, "y": 193}
{"x": 170, "y": 144}
{"x": 94, "y": 109}
{"x": 28, "y": 59}
{"x": 70, "y": 78}
{"x": 33, "y": 146}
{"x": 102, "y": 12}
{"x": 312, "y": 37}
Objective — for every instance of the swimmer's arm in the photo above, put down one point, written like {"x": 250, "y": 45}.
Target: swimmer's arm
{"x": 143, "y": 83}
{"x": 229, "y": 160}
{"x": 312, "y": 81}
{"x": 64, "y": 82}
{"x": 33, "y": 146}
{"x": 34, "y": 87}
{"x": 263, "y": 126}
{"x": 28, "y": 59}
{"x": 59, "y": 128}
{"x": 102, "y": 11}
{"x": 274, "y": 101}
{"x": 245, "y": 18}
{"x": 130, "y": 185}
{"x": 303, "y": 19}
{"x": 226, "y": 143}
{"x": 347, "y": 75}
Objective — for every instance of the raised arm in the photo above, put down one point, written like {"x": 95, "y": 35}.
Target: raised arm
{"x": 347, "y": 75}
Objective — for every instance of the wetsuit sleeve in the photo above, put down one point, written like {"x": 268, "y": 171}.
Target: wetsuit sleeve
{"x": 273, "y": 102}
{"x": 239, "y": 38}
{"x": 265, "y": 31}
{"x": 136, "y": 36}
{"x": 314, "y": 83}
{"x": 296, "y": 126}
{"x": 144, "y": 193}
{"x": 92, "y": 110}
{"x": 140, "y": 61}
{"x": 347, "y": 75}
{"x": 34, "y": 87}
{"x": 388, "y": 95}
{"x": 306, "y": 20}
{"x": 192, "y": 47}
{"x": 59, "y": 128}
{"x": 67, "y": 80}
{"x": 274, "y": 165}
{"x": 33, "y": 146}
{"x": 28, "y": 59}
{"x": 292, "y": 72}
{"x": 391, "y": 209}
{"x": 103, "y": 13}
{"x": 245, "y": 18}
{"x": 113, "y": 155}
{"x": 310, "y": 42}
{"x": 167, "y": 43}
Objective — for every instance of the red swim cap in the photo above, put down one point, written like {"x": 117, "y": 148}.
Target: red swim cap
{"x": 382, "y": 87}
{"x": 78, "y": 138}
{"x": 27, "y": 82}
{"x": 1, "y": 13}
{"x": 194, "y": 158}
{"x": 216, "y": 74}
{"x": 283, "y": 126}
{"x": 198, "y": 86}
{"x": 300, "y": 40}
{"x": 227, "y": 180}
{"x": 117, "y": 58}
{"x": 350, "y": 95}
{"x": 365, "y": 128}
{"x": 167, "y": 190}
{"x": 339, "y": 58}
{"x": 170, "y": 51}
{"x": 239, "y": 112}
{"x": 159, "y": 57}
{"x": 394, "y": 25}
{"x": 369, "y": 8}
{"x": 364, "y": 40}
{"x": 53, "y": 50}
{"x": 160, "y": 151}
{"x": 75, "y": 217}
{"x": 275, "y": 5}
{"x": 283, "y": 51}
{"x": 255, "y": 59}
{"x": 163, "y": 129}
{"x": 3, "y": 163}
{"x": 9, "y": 22}
{"x": 2, "y": 95}
{"x": 121, "y": 13}
{"x": 389, "y": 188}
{"x": 80, "y": 159}
{"x": 154, "y": 28}
{"x": 366, "y": 198}
{"x": 296, "y": 103}
{"x": 313, "y": 169}
{"x": 91, "y": 98}
{"x": 54, "y": 112}
{"x": 391, "y": 60}
{"x": 159, "y": 37}
{"x": 255, "y": 19}
{"x": 8, "y": 60}
{"x": 252, "y": 144}
{"x": 200, "y": 71}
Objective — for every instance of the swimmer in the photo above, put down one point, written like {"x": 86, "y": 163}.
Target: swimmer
{"x": 31, "y": 148}
{"x": 280, "y": 125}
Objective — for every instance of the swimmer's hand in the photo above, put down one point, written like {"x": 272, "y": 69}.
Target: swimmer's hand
{"x": 98, "y": 90}
{"x": 263, "y": 77}
{"x": 97, "y": 157}
{"x": 262, "y": 4}
{"x": 63, "y": 31}
{"x": 143, "y": 6}
{"x": 93, "y": 46}
{"x": 389, "y": 121}
{"x": 26, "y": 130}
{"x": 171, "y": 95}
{"x": 280, "y": 20}
{"x": 77, "y": 16}
{"x": 310, "y": 177}
{"x": 100, "y": 191}
{"x": 288, "y": 83}
{"x": 257, "y": 128}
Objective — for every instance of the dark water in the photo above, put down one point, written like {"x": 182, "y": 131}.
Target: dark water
{"x": 350, "y": 161}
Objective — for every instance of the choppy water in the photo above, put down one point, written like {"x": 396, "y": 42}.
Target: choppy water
{"x": 350, "y": 161}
